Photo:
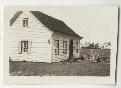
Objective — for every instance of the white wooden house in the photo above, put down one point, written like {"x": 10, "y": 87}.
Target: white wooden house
{"x": 37, "y": 37}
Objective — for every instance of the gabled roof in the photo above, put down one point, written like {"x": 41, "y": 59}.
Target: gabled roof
{"x": 50, "y": 22}
{"x": 14, "y": 17}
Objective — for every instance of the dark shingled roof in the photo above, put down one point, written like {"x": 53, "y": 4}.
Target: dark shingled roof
{"x": 51, "y": 23}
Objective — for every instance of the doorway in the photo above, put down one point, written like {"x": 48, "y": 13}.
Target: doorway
{"x": 71, "y": 50}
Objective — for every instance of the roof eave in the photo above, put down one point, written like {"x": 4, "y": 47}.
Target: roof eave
{"x": 15, "y": 17}
{"x": 81, "y": 38}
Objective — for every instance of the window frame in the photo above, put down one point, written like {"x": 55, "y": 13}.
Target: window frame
{"x": 57, "y": 47}
{"x": 26, "y": 43}
{"x": 25, "y": 22}
{"x": 64, "y": 48}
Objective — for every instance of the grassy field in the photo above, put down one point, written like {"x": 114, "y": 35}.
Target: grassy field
{"x": 79, "y": 68}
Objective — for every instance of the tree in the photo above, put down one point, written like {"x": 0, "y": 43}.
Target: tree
{"x": 96, "y": 45}
{"x": 92, "y": 45}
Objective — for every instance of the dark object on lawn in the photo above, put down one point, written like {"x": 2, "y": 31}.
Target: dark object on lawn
{"x": 82, "y": 58}
{"x": 76, "y": 59}
{"x": 24, "y": 61}
{"x": 71, "y": 60}
{"x": 10, "y": 59}
{"x": 104, "y": 59}
{"x": 79, "y": 59}
{"x": 97, "y": 60}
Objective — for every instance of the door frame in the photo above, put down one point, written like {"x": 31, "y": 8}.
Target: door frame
{"x": 71, "y": 49}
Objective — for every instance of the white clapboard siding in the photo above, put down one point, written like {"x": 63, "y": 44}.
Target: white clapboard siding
{"x": 63, "y": 37}
{"x": 17, "y": 50}
{"x": 37, "y": 35}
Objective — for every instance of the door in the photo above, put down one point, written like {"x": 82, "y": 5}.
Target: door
{"x": 71, "y": 50}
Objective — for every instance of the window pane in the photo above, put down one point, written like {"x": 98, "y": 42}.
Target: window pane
{"x": 24, "y": 45}
{"x": 25, "y": 22}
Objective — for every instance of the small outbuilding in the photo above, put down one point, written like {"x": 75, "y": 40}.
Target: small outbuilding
{"x": 37, "y": 37}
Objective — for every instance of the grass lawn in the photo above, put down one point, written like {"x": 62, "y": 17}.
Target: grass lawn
{"x": 80, "y": 68}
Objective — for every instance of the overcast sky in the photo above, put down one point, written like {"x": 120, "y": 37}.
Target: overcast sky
{"x": 94, "y": 24}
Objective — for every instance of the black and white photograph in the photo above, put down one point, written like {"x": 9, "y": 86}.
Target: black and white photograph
{"x": 60, "y": 41}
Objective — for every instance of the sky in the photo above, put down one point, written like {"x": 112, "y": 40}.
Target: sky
{"x": 93, "y": 23}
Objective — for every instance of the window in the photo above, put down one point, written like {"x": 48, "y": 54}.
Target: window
{"x": 25, "y": 22}
{"x": 65, "y": 47}
{"x": 76, "y": 47}
{"x": 57, "y": 47}
{"x": 24, "y": 46}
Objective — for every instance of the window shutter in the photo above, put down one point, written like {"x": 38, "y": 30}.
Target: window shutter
{"x": 19, "y": 47}
{"x": 29, "y": 47}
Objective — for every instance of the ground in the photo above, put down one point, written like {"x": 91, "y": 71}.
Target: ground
{"x": 79, "y": 68}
